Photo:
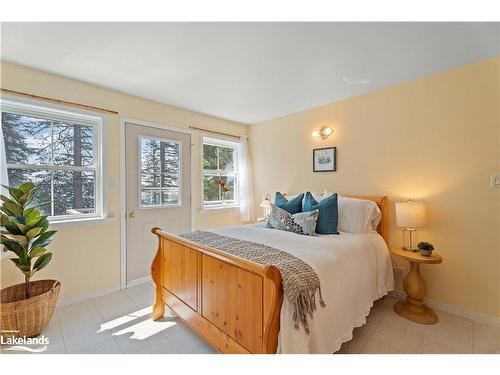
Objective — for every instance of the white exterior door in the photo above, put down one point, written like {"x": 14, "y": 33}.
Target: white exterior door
{"x": 158, "y": 178}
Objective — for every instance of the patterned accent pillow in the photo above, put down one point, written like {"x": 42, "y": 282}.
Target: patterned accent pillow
{"x": 301, "y": 223}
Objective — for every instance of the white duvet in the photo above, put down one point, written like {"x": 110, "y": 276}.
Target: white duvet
{"x": 354, "y": 270}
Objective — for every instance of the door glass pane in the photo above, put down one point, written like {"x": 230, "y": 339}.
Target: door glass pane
{"x": 150, "y": 163}
{"x": 170, "y": 196}
{"x": 170, "y": 163}
{"x": 160, "y": 166}
{"x": 73, "y": 145}
{"x": 150, "y": 197}
{"x": 27, "y": 139}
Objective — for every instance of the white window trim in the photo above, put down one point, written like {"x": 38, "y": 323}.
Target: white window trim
{"x": 39, "y": 109}
{"x": 139, "y": 154}
{"x": 219, "y": 205}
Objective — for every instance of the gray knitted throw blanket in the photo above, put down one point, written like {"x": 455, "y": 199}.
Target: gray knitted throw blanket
{"x": 300, "y": 281}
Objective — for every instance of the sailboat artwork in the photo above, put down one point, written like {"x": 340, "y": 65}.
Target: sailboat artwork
{"x": 325, "y": 159}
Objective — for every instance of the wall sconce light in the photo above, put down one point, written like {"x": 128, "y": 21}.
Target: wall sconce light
{"x": 323, "y": 133}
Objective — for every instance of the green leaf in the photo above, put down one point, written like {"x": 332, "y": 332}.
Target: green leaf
{"x": 22, "y": 240}
{"x": 26, "y": 187}
{"x": 37, "y": 251}
{"x": 6, "y": 199}
{"x": 13, "y": 228}
{"x": 14, "y": 246}
{"x": 23, "y": 228}
{"x": 13, "y": 208}
{"x": 21, "y": 265}
{"x": 4, "y": 219}
{"x": 42, "y": 261}
{"x": 6, "y": 211}
{"x": 32, "y": 233}
{"x": 27, "y": 197}
{"x": 44, "y": 239}
{"x": 15, "y": 193}
{"x": 43, "y": 223}
{"x": 31, "y": 217}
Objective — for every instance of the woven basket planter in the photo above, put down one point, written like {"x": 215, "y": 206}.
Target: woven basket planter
{"x": 28, "y": 317}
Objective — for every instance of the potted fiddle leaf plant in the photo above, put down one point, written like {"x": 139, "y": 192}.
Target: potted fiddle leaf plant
{"x": 26, "y": 308}
{"x": 425, "y": 248}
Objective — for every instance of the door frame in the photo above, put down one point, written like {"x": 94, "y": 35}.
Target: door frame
{"x": 123, "y": 191}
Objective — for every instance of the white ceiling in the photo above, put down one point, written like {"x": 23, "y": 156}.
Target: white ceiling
{"x": 247, "y": 72}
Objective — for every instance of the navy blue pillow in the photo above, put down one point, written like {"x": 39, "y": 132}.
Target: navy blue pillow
{"x": 328, "y": 213}
{"x": 293, "y": 206}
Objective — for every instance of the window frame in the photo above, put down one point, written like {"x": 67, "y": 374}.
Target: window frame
{"x": 139, "y": 165}
{"x": 235, "y": 203}
{"x": 79, "y": 117}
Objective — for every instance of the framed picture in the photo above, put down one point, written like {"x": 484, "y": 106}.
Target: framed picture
{"x": 325, "y": 159}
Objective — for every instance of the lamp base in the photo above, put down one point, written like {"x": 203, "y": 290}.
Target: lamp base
{"x": 410, "y": 239}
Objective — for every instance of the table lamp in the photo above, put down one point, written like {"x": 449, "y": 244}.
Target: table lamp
{"x": 410, "y": 215}
{"x": 266, "y": 205}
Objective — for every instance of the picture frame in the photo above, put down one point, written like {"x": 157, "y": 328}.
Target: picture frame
{"x": 325, "y": 159}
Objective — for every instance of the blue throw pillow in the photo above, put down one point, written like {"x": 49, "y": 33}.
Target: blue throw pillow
{"x": 293, "y": 206}
{"x": 328, "y": 213}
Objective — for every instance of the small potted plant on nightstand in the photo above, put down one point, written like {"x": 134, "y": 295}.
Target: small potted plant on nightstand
{"x": 425, "y": 248}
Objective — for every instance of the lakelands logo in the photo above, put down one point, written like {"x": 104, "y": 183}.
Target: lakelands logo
{"x": 28, "y": 344}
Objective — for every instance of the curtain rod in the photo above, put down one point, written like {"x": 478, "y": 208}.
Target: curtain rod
{"x": 214, "y": 132}
{"x": 59, "y": 101}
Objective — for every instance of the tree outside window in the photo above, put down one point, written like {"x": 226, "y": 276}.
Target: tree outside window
{"x": 58, "y": 156}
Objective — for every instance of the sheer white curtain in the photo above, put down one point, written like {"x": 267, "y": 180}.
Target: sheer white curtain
{"x": 4, "y": 179}
{"x": 245, "y": 182}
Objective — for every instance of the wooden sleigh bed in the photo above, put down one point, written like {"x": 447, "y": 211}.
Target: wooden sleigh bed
{"x": 231, "y": 302}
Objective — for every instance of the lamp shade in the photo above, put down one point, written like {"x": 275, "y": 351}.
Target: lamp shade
{"x": 410, "y": 214}
{"x": 265, "y": 204}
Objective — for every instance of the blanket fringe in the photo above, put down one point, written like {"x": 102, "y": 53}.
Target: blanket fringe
{"x": 305, "y": 304}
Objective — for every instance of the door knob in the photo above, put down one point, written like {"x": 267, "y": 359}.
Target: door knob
{"x": 131, "y": 215}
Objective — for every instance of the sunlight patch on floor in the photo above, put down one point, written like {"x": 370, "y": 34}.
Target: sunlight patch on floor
{"x": 145, "y": 329}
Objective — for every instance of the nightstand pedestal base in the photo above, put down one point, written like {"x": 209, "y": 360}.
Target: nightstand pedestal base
{"x": 416, "y": 313}
{"x": 414, "y": 285}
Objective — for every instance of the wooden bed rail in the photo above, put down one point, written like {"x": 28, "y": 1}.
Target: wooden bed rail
{"x": 231, "y": 302}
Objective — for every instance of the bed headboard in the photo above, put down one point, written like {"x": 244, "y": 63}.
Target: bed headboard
{"x": 382, "y": 203}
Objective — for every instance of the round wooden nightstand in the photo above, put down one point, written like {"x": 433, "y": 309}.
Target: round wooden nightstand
{"x": 414, "y": 285}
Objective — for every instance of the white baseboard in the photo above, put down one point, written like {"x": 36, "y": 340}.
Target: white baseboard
{"x": 99, "y": 293}
{"x": 86, "y": 296}
{"x": 139, "y": 281}
{"x": 450, "y": 309}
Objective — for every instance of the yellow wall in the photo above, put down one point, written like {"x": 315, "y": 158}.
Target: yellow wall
{"x": 435, "y": 139}
{"x": 87, "y": 258}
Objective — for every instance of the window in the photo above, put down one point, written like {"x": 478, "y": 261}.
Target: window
{"x": 220, "y": 173}
{"x": 160, "y": 164}
{"x": 59, "y": 152}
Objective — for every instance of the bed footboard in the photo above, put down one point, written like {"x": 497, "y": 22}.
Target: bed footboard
{"x": 231, "y": 302}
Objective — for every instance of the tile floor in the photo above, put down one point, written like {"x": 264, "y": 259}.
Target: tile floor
{"x": 386, "y": 332}
{"x": 120, "y": 323}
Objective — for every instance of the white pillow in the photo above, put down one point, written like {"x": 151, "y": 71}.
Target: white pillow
{"x": 358, "y": 215}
